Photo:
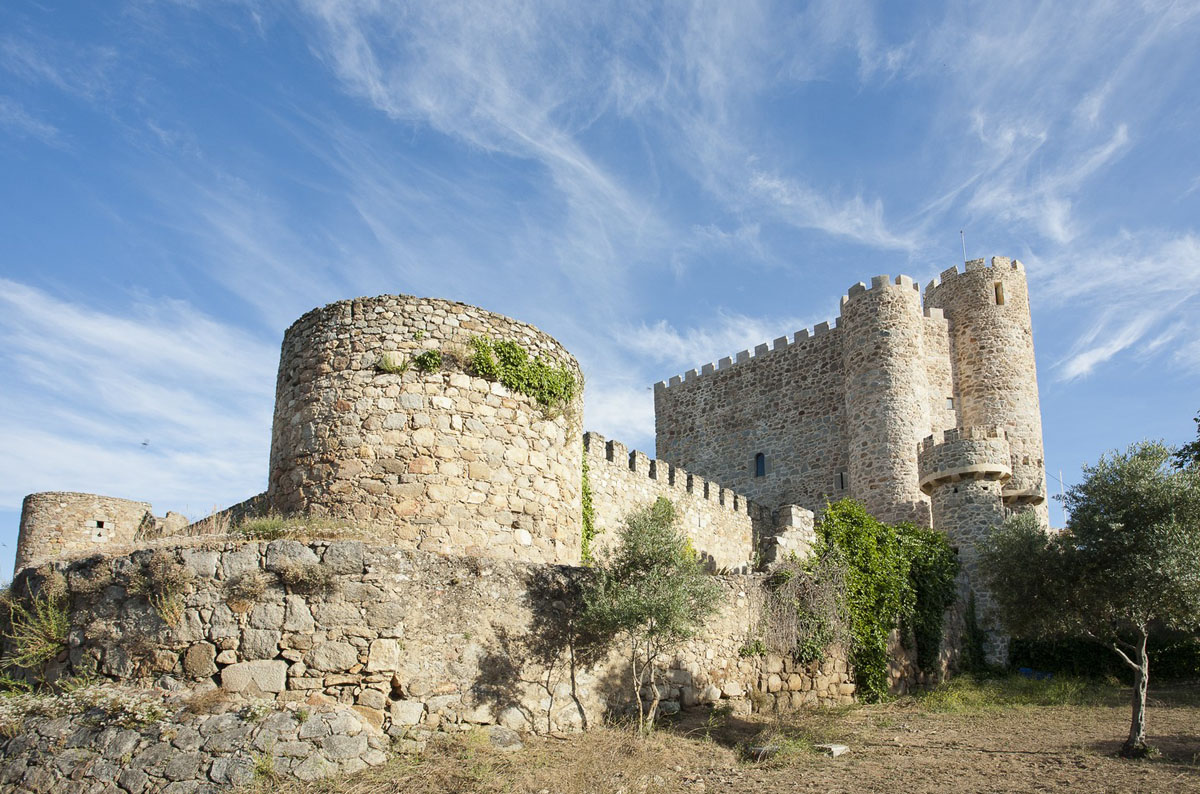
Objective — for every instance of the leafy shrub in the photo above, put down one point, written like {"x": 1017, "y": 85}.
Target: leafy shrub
{"x": 933, "y": 568}
{"x": 429, "y": 361}
{"x": 38, "y": 629}
{"x": 510, "y": 365}
{"x": 650, "y": 593}
{"x": 804, "y": 609}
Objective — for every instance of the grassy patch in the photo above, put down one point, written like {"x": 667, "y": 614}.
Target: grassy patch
{"x": 966, "y": 694}
{"x": 275, "y": 526}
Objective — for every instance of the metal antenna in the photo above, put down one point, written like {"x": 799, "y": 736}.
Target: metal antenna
{"x": 964, "y": 242}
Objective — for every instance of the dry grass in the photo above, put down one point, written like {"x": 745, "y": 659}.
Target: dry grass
{"x": 999, "y": 736}
{"x": 605, "y": 759}
{"x": 208, "y": 701}
{"x": 274, "y": 526}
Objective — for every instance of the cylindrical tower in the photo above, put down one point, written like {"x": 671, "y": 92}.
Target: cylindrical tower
{"x": 58, "y": 524}
{"x": 887, "y": 397}
{"x": 370, "y": 425}
{"x": 996, "y": 377}
{"x": 964, "y": 472}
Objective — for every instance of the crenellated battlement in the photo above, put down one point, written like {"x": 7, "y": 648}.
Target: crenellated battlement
{"x": 750, "y": 357}
{"x": 977, "y": 453}
{"x": 668, "y": 476}
{"x": 879, "y": 283}
{"x": 1000, "y": 263}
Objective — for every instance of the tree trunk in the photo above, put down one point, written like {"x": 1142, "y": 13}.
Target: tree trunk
{"x": 1135, "y": 745}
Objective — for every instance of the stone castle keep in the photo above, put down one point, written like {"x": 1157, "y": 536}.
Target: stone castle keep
{"x": 467, "y": 501}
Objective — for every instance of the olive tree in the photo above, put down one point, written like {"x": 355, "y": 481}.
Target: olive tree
{"x": 1127, "y": 565}
{"x": 649, "y": 593}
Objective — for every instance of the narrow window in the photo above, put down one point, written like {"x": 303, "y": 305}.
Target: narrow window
{"x": 841, "y": 481}
{"x": 999, "y": 294}
{"x": 760, "y": 465}
{"x": 949, "y": 403}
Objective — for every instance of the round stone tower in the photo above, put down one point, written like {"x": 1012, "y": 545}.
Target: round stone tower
{"x": 964, "y": 472}
{"x": 987, "y": 307}
{"x": 887, "y": 396}
{"x": 58, "y": 524}
{"x": 432, "y": 457}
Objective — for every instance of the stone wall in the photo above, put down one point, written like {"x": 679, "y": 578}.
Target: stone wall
{"x": 787, "y": 401}
{"x": 723, "y": 526}
{"x": 106, "y": 748}
{"x": 413, "y": 641}
{"x": 440, "y": 461}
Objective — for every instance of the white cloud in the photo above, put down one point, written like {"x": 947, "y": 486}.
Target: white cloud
{"x": 86, "y": 387}
{"x": 21, "y": 123}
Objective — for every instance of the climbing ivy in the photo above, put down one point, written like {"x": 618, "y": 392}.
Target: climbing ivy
{"x": 878, "y": 594}
{"x": 933, "y": 567}
{"x": 895, "y": 576}
{"x": 589, "y": 514}
{"x": 510, "y": 364}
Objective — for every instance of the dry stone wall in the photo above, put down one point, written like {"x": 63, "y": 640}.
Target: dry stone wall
{"x": 723, "y": 526}
{"x": 412, "y": 641}
{"x": 97, "y": 751}
{"x": 441, "y": 461}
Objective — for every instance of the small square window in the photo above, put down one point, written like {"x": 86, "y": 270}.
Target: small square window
{"x": 949, "y": 403}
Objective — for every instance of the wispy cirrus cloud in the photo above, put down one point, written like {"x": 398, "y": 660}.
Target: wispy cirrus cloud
{"x": 17, "y": 121}
{"x": 85, "y": 388}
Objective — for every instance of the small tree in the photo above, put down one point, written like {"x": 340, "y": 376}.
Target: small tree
{"x": 1127, "y": 564}
{"x": 1189, "y": 454}
{"x": 649, "y": 593}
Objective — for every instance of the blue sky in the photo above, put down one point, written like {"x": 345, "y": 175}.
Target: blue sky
{"x": 656, "y": 186}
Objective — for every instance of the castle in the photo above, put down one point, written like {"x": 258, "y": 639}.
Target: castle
{"x": 925, "y": 413}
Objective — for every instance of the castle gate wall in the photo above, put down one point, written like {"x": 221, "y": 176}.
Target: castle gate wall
{"x": 987, "y": 306}
{"x": 723, "y": 526}
{"x": 442, "y": 461}
{"x": 787, "y": 402}
{"x": 59, "y": 524}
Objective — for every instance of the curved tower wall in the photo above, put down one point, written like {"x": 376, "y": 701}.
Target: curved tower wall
{"x": 887, "y": 396}
{"x": 996, "y": 376}
{"x": 57, "y": 524}
{"x": 964, "y": 472}
{"x": 443, "y": 461}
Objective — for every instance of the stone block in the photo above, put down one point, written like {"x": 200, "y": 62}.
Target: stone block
{"x": 260, "y": 675}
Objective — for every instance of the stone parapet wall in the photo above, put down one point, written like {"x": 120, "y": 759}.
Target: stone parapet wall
{"x": 724, "y": 527}
{"x": 968, "y": 452}
{"x": 442, "y": 461}
{"x": 414, "y": 642}
{"x": 59, "y": 525}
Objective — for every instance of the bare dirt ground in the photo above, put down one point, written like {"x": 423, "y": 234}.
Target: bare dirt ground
{"x": 954, "y": 743}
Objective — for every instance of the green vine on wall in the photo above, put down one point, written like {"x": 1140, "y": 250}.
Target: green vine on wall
{"x": 589, "y": 514}
{"x": 895, "y": 576}
{"x": 509, "y": 364}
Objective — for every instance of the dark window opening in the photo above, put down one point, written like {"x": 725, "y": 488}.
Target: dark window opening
{"x": 760, "y": 465}
{"x": 841, "y": 481}
{"x": 999, "y": 294}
